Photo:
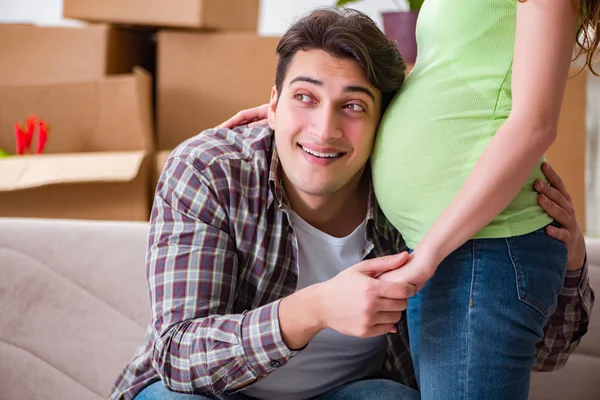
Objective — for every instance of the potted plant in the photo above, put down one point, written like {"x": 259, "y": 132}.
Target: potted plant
{"x": 399, "y": 26}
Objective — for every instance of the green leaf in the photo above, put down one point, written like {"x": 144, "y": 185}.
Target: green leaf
{"x": 415, "y": 5}
{"x": 3, "y": 154}
{"x": 341, "y": 3}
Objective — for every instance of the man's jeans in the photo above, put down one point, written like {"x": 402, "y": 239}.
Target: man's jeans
{"x": 373, "y": 389}
{"x": 475, "y": 325}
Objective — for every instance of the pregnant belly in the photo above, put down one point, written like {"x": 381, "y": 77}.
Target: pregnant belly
{"x": 415, "y": 180}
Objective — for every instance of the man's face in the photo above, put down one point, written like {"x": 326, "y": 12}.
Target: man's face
{"x": 324, "y": 120}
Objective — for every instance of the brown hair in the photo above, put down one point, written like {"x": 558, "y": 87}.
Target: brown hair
{"x": 345, "y": 33}
{"x": 588, "y": 33}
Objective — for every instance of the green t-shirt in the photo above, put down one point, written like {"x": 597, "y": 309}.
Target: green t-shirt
{"x": 452, "y": 103}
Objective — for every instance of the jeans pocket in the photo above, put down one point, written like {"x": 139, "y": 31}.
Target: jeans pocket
{"x": 540, "y": 264}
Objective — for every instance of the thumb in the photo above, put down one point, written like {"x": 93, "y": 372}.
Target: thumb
{"x": 377, "y": 266}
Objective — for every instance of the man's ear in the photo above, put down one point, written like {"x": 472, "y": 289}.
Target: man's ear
{"x": 272, "y": 110}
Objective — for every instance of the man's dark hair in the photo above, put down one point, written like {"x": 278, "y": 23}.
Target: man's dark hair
{"x": 345, "y": 33}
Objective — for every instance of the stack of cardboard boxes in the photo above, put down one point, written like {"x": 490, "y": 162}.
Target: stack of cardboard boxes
{"x": 94, "y": 88}
{"x": 85, "y": 83}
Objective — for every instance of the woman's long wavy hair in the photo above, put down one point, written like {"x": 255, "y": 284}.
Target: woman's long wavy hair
{"x": 588, "y": 32}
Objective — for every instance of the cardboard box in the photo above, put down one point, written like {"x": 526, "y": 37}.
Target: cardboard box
{"x": 160, "y": 158}
{"x": 96, "y": 163}
{"x": 567, "y": 154}
{"x": 205, "y": 78}
{"x": 53, "y": 54}
{"x": 206, "y": 14}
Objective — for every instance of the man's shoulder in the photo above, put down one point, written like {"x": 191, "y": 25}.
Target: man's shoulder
{"x": 220, "y": 145}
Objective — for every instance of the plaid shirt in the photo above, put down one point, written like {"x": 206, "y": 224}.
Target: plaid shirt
{"x": 222, "y": 254}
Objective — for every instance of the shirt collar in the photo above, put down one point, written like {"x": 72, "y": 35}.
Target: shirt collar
{"x": 276, "y": 192}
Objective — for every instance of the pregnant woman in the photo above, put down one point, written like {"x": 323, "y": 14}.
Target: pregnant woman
{"x": 456, "y": 156}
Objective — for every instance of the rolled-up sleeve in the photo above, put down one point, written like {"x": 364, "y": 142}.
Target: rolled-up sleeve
{"x": 569, "y": 322}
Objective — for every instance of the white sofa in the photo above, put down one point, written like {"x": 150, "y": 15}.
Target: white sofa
{"x": 74, "y": 305}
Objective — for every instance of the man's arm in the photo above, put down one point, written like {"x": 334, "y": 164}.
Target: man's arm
{"x": 353, "y": 303}
{"x": 570, "y": 320}
{"x": 192, "y": 271}
{"x": 568, "y": 324}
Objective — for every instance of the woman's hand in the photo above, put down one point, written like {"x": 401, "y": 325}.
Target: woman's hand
{"x": 556, "y": 201}
{"x": 417, "y": 270}
{"x": 251, "y": 117}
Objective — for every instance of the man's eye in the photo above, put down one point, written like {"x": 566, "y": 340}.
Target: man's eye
{"x": 303, "y": 98}
{"x": 354, "y": 107}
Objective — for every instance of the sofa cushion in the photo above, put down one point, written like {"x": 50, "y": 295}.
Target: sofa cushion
{"x": 73, "y": 306}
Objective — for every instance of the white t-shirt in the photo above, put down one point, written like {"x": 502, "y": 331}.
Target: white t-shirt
{"x": 330, "y": 359}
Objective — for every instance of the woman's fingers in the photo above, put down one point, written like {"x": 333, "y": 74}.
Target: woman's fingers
{"x": 246, "y": 116}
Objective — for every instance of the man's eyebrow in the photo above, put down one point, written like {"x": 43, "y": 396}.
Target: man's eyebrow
{"x": 360, "y": 89}
{"x": 347, "y": 89}
{"x": 306, "y": 79}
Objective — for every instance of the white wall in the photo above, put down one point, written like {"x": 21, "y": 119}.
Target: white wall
{"x": 43, "y": 12}
{"x": 275, "y": 15}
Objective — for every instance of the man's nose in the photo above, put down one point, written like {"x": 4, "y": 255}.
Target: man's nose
{"x": 325, "y": 125}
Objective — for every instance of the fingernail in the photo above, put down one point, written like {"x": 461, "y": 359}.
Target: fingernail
{"x": 538, "y": 185}
{"x": 550, "y": 230}
{"x": 543, "y": 198}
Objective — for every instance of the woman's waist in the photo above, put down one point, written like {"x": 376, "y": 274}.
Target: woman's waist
{"x": 413, "y": 198}
{"x": 515, "y": 220}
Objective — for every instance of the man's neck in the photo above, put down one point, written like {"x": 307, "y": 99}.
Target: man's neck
{"x": 337, "y": 214}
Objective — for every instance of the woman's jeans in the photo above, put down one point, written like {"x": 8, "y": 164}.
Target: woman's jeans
{"x": 474, "y": 326}
{"x": 372, "y": 389}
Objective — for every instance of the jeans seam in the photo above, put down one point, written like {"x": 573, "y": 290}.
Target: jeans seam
{"x": 468, "y": 342}
{"x": 522, "y": 296}
{"x": 514, "y": 260}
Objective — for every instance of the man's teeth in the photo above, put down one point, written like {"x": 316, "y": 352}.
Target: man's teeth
{"x": 321, "y": 155}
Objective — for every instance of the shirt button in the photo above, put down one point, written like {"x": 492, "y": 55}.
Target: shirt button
{"x": 291, "y": 278}
{"x": 275, "y": 364}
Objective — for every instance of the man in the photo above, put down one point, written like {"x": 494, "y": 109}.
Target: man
{"x": 266, "y": 243}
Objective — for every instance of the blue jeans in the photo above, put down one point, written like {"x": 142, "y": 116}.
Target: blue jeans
{"x": 474, "y": 326}
{"x": 372, "y": 389}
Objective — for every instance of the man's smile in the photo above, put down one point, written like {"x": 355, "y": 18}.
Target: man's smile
{"x": 325, "y": 153}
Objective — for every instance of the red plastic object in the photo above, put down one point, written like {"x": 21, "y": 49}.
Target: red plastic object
{"x": 44, "y": 129}
{"x": 30, "y": 124}
{"x": 19, "y": 139}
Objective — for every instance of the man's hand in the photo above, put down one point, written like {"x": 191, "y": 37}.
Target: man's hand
{"x": 556, "y": 201}
{"x": 353, "y": 303}
{"x": 357, "y": 304}
{"x": 252, "y": 117}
